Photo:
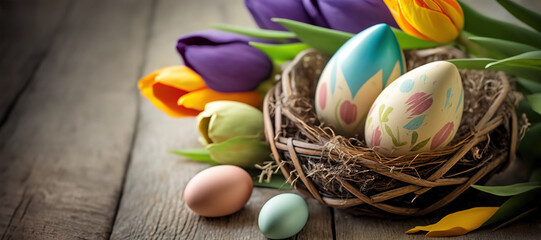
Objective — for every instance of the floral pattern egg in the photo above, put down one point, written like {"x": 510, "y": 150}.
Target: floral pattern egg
{"x": 354, "y": 77}
{"x": 419, "y": 112}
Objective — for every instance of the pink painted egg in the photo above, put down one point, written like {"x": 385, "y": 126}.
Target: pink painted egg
{"x": 420, "y": 111}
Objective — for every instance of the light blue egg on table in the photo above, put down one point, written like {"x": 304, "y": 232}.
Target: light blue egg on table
{"x": 283, "y": 216}
{"x": 354, "y": 77}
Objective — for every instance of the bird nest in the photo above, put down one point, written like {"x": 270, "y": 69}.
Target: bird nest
{"x": 344, "y": 173}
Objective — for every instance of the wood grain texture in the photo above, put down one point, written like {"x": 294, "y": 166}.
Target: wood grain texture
{"x": 26, "y": 32}
{"x": 64, "y": 147}
{"x": 152, "y": 206}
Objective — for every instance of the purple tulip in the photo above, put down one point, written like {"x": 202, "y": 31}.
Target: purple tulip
{"x": 263, "y": 10}
{"x": 344, "y": 15}
{"x": 224, "y": 60}
{"x": 352, "y": 15}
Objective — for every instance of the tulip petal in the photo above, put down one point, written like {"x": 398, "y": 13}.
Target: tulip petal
{"x": 164, "y": 97}
{"x": 240, "y": 151}
{"x": 432, "y": 23}
{"x": 233, "y": 67}
{"x": 223, "y": 120}
{"x": 198, "y": 99}
{"x": 180, "y": 77}
{"x": 458, "y": 223}
{"x": 263, "y": 10}
{"x": 355, "y": 15}
{"x": 394, "y": 7}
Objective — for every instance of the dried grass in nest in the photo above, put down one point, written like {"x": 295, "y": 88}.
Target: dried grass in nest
{"x": 345, "y": 173}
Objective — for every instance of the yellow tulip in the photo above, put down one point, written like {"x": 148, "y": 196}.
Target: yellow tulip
{"x": 458, "y": 223}
{"x": 433, "y": 20}
{"x": 180, "y": 92}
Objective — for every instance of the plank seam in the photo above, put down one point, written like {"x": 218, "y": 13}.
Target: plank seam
{"x": 34, "y": 70}
{"x": 146, "y": 44}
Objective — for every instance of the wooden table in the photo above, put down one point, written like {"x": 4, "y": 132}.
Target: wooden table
{"x": 83, "y": 155}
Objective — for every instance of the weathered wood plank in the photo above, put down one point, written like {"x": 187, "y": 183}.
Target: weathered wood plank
{"x": 64, "y": 148}
{"x": 152, "y": 206}
{"x": 351, "y": 227}
{"x": 26, "y": 32}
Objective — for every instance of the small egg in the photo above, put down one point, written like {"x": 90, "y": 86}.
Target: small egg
{"x": 218, "y": 191}
{"x": 419, "y": 112}
{"x": 283, "y": 216}
{"x": 355, "y": 75}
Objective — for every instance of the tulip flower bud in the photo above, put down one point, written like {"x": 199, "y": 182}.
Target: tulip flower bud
{"x": 433, "y": 20}
{"x": 225, "y": 61}
{"x": 350, "y": 15}
{"x": 180, "y": 92}
{"x": 233, "y": 133}
{"x": 263, "y": 10}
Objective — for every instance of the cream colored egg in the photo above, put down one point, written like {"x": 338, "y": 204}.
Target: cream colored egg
{"x": 420, "y": 111}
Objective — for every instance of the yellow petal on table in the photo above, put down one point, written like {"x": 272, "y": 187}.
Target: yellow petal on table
{"x": 198, "y": 99}
{"x": 180, "y": 77}
{"x": 458, "y": 223}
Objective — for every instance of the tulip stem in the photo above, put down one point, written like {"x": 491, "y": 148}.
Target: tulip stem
{"x": 470, "y": 47}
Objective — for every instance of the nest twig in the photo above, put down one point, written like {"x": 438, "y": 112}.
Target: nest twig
{"x": 344, "y": 173}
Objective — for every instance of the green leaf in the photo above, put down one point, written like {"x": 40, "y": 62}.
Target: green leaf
{"x": 509, "y": 190}
{"x": 414, "y": 137}
{"x": 277, "y": 181}
{"x": 499, "y": 48}
{"x": 240, "y": 151}
{"x": 529, "y": 59}
{"x": 481, "y": 25}
{"x": 526, "y": 72}
{"x": 198, "y": 154}
{"x": 406, "y": 41}
{"x": 471, "y": 63}
{"x": 512, "y": 207}
{"x": 529, "y": 148}
{"x": 523, "y": 14}
{"x": 536, "y": 176}
{"x": 419, "y": 145}
{"x": 519, "y": 71}
{"x": 531, "y": 86}
{"x": 257, "y": 33}
{"x": 323, "y": 39}
{"x": 280, "y": 53}
{"x": 535, "y": 102}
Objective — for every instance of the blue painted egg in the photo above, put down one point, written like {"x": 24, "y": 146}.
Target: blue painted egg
{"x": 355, "y": 76}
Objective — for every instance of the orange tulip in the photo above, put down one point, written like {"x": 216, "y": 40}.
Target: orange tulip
{"x": 433, "y": 20}
{"x": 180, "y": 92}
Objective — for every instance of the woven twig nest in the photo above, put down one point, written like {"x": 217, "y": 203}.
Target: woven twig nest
{"x": 344, "y": 173}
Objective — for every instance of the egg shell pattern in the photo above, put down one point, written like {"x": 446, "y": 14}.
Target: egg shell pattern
{"x": 218, "y": 191}
{"x": 355, "y": 75}
{"x": 283, "y": 216}
{"x": 420, "y": 111}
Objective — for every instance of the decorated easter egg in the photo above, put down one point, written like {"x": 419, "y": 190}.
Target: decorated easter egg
{"x": 218, "y": 191}
{"x": 418, "y": 112}
{"x": 355, "y": 75}
{"x": 283, "y": 216}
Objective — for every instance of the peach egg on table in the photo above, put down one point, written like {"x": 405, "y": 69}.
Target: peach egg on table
{"x": 218, "y": 191}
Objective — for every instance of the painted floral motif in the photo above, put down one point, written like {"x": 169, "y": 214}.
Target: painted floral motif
{"x": 348, "y": 112}
{"x": 442, "y": 135}
{"x": 376, "y": 137}
{"x": 418, "y": 103}
{"x": 322, "y": 95}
